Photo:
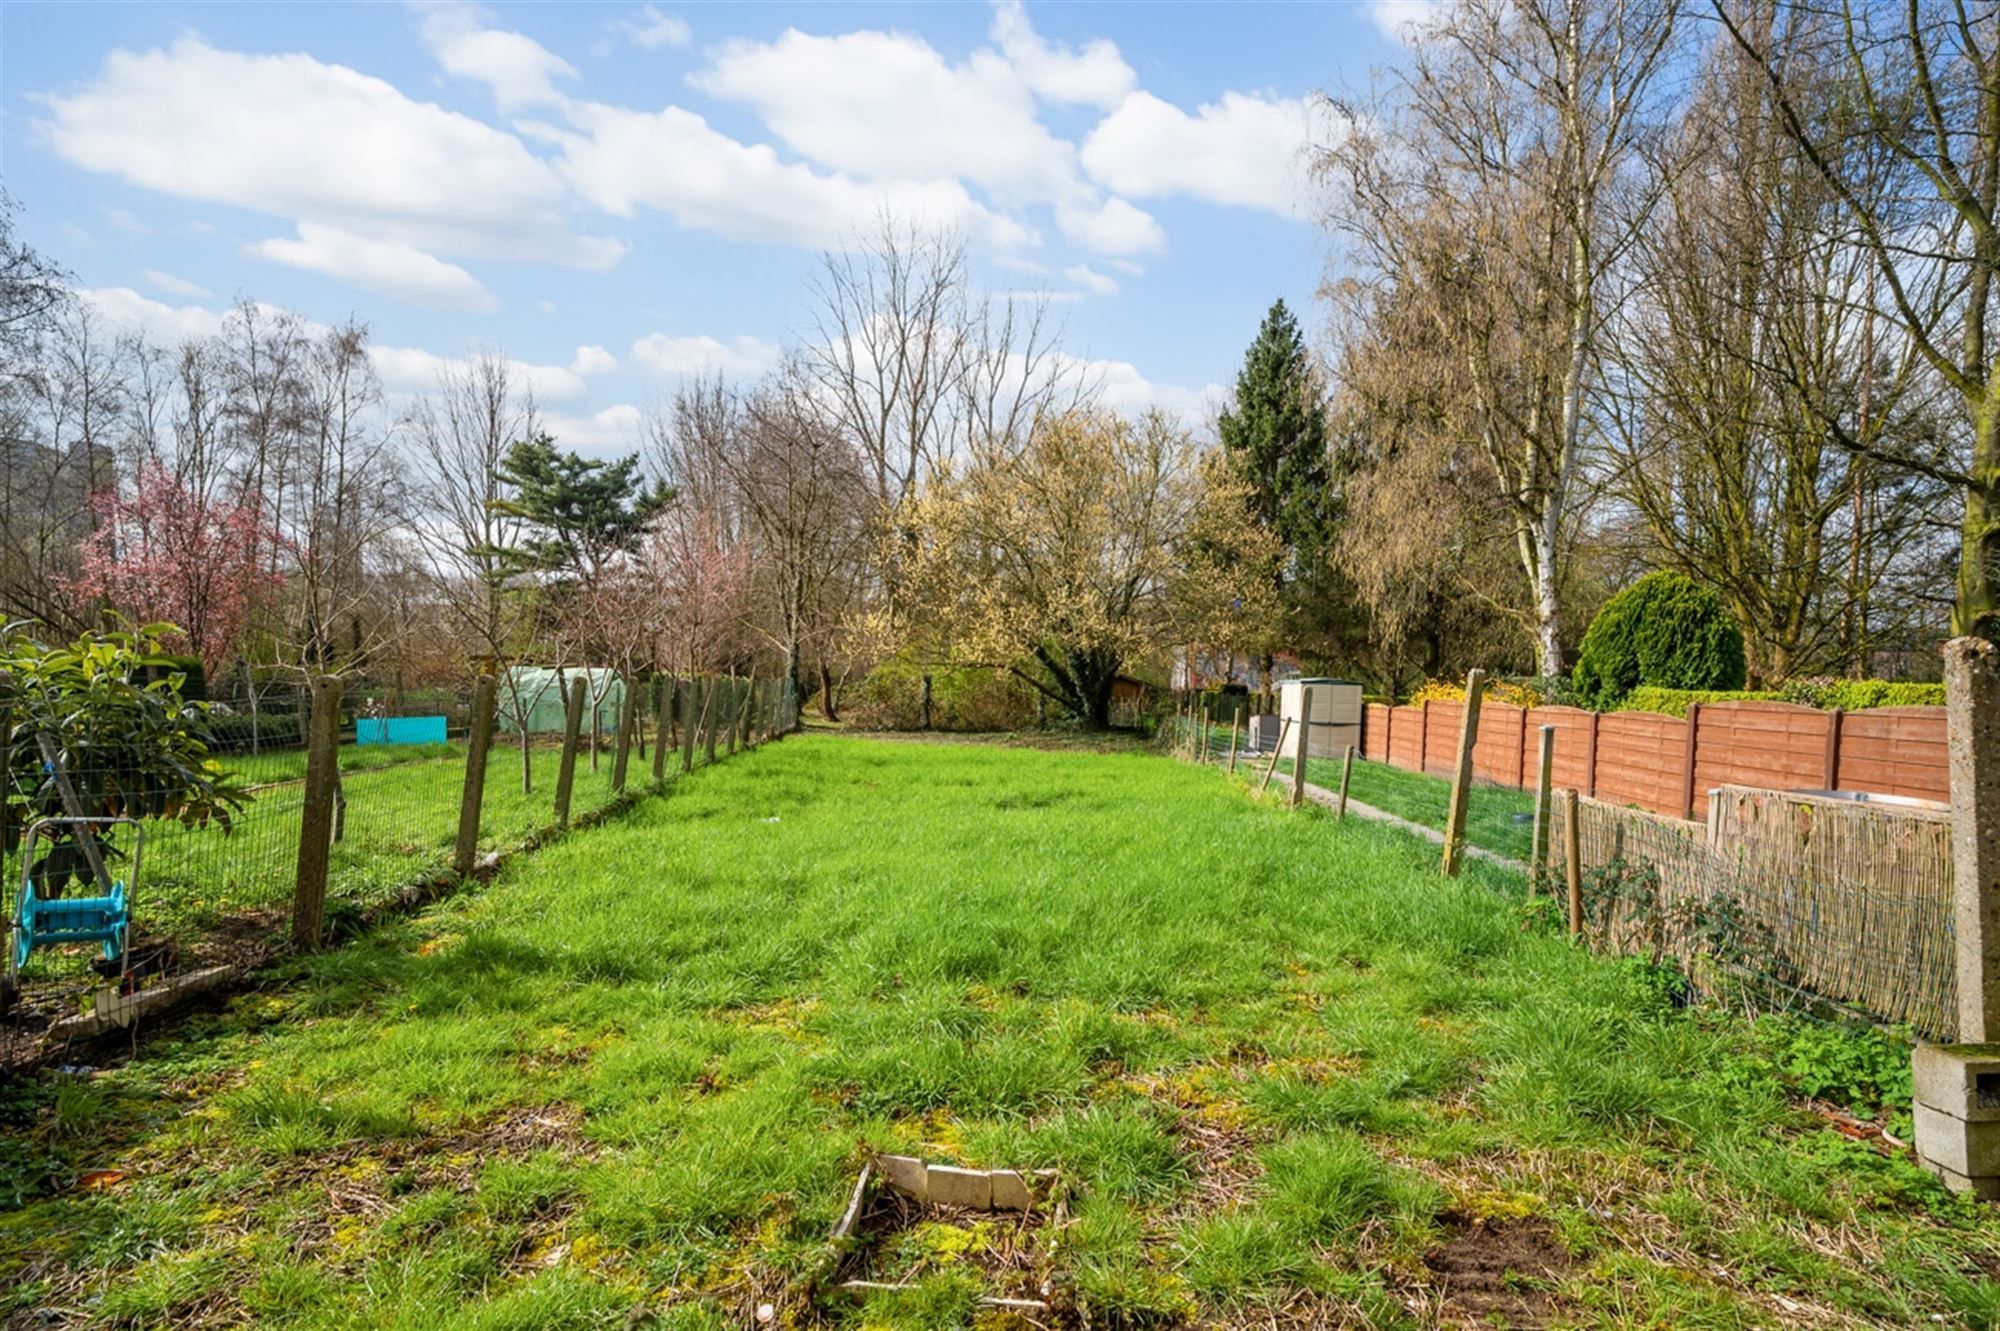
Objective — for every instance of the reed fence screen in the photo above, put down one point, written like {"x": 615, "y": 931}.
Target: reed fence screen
{"x": 1803, "y": 895}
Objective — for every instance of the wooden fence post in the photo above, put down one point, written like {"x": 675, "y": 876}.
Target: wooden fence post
{"x": 1687, "y": 770}
{"x": 1573, "y": 862}
{"x": 1538, "y": 852}
{"x": 1235, "y": 723}
{"x": 732, "y": 704}
{"x": 478, "y": 741}
{"x": 690, "y": 691}
{"x": 1424, "y": 735}
{"x": 711, "y": 712}
{"x": 1461, "y": 780}
{"x": 663, "y": 702}
{"x": 746, "y": 710}
{"x": 1277, "y": 750}
{"x": 316, "y": 819}
{"x": 628, "y": 715}
{"x": 1833, "y": 749}
{"x": 1590, "y": 759}
{"x": 1346, "y": 775}
{"x": 1303, "y": 748}
{"x": 573, "y": 704}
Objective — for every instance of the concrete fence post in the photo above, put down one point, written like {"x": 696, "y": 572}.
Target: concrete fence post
{"x": 316, "y": 819}
{"x": 1957, "y": 1086}
{"x": 1461, "y": 779}
{"x": 573, "y": 704}
{"x": 478, "y": 741}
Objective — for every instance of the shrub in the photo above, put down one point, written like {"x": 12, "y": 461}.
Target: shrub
{"x": 976, "y": 699}
{"x": 1857, "y": 695}
{"x": 1675, "y": 702}
{"x": 1666, "y": 630}
{"x": 1497, "y": 690}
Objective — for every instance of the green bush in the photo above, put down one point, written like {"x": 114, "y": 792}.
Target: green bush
{"x": 1665, "y": 630}
{"x": 238, "y": 731}
{"x": 1858, "y": 695}
{"x": 1674, "y": 702}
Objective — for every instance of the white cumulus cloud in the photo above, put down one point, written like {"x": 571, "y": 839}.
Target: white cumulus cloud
{"x": 176, "y": 286}
{"x": 1243, "y": 150}
{"x": 519, "y": 70}
{"x": 414, "y": 370}
{"x": 386, "y": 266}
{"x": 739, "y": 357}
{"x": 593, "y": 360}
{"x": 1096, "y": 75}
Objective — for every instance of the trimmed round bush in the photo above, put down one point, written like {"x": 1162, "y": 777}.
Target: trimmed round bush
{"x": 1665, "y": 630}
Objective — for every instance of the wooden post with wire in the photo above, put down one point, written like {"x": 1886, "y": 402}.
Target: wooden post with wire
{"x": 1284, "y": 729}
{"x": 628, "y": 715}
{"x": 316, "y": 818}
{"x": 663, "y": 702}
{"x": 1235, "y": 722}
{"x": 1461, "y": 778}
{"x": 1303, "y": 747}
{"x": 478, "y": 741}
{"x": 1538, "y": 852}
{"x": 1573, "y": 861}
{"x": 1346, "y": 775}
{"x": 690, "y": 696}
{"x": 573, "y": 704}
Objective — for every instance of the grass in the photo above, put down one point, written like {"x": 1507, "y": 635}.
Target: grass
{"x": 400, "y": 826}
{"x": 1280, "y": 1064}
{"x": 283, "y": 765}
{"x": 1498, "y": 818}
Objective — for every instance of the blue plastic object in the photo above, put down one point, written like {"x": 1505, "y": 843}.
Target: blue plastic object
{"x": 399, "y": 730}
{"x": 101, "y": 920}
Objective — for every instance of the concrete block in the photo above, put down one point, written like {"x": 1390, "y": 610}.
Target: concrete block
{"x": 951, "y": 1186}
{"x": 1962, "y": 1081}
{"x": 1986, "y": 1189}
{"x": 906, "y": 1174}
{"x": 1971, "y": 1149}
{"x": 1011, "y": 1191}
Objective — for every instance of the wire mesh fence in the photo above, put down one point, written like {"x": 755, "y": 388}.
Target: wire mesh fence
{"x": 223, "y": 890}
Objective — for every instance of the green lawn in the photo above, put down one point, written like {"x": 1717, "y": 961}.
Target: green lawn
{"x": 1498, "y": 818}
{"x": 1288, "y": 1075}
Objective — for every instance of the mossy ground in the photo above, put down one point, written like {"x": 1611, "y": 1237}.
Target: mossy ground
{"x": 1288, "y": 1074}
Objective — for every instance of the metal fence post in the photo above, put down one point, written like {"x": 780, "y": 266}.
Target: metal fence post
{"x": 1461, "y": 780}
{"x": 316, "y": 819}
{"x": 573, "y": 703}
{"x": 628, "y": 715}
{"x": 478, "y": 741}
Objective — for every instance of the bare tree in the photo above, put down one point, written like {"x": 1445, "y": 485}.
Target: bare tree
{"x": 1497, "y": 178}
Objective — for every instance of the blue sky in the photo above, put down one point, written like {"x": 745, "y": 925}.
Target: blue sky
{"x": 619, "y": 194}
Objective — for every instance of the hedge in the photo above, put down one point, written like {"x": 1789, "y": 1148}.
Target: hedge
{"x": 1850, "y": 695}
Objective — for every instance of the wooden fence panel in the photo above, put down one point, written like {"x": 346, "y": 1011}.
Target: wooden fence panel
{"x": 1894, "y": 751}
{"x": 1572, "y": 746}
{"x": 1441, "y": 721}
{"x": 1641, "y": 759}
{"x": 1774, "y": 745}
{"x": 1375, "y": 723}
{"x": 1496, "y": 755}
{"x": 1407, "y": 737}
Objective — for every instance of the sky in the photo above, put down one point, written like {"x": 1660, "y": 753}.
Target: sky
{"x": 619, "y": 195}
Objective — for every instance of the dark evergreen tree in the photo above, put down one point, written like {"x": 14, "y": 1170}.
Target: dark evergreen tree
{"x": 581, "y": 513}
{"x": 1276, "y": 440}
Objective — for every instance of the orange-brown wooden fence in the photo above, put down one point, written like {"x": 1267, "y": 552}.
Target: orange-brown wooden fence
{"x": 1667, "y": 764}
